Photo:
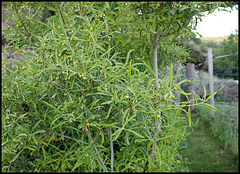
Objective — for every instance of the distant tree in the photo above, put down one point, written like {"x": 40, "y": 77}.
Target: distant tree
{"x": 198, "y": 52}
{"x": 229, "y": 46}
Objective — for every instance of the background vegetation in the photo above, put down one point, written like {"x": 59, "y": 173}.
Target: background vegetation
{"x": 224, "y": 67}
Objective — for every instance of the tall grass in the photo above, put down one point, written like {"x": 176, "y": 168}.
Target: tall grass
{"x": 224, "y": 125}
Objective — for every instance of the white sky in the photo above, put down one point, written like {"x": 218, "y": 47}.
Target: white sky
{"x": 218, "y": 24}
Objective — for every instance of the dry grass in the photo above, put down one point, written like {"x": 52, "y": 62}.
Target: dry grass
{"x": 217, "y": 40}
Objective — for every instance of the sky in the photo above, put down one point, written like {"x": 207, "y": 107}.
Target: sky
{"x": 218, "y": 24}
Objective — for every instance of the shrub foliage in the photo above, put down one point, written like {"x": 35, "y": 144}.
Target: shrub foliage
{"x": 73, "y": 104}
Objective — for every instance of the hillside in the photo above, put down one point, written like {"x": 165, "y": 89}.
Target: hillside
{"x": 214, "y": 39}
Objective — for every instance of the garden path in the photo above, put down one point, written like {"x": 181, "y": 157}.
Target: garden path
{"x": 205, "y": 153}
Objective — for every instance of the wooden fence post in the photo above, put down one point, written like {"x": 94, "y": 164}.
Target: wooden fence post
{"x": 210, "y": 71}
{"x": 191, "y": 87}
{"x": 176, "y": 69}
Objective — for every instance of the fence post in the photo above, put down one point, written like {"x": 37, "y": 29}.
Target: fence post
{"x": 210, "y": 71}
{"x": 191, "y": 87}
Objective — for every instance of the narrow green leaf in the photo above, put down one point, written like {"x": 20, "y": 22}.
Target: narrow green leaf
{"x": 205, "y": 93}
{"x": 208, "y": 106}
{"x": 171, "y": 74}
{"x": 31, "y": 148}
{"x": 60, "y": 124}
{"x": 34, "y": 139}
{"x": 129, "y": 72}
{"x": 37, "y": 125}
{"x": 93, "y": 103}
{"x": 53, "y": 145}
{"x": 124, "y": 114}
{"x": 113, "y": 92}
{"x": 137, "y": 134}
{"x": 69, "y": 96}
{"x": 149, "y": 84}
{"x": 108, "y": 51}
{"x": 127, "y": 138}
{"x": 129, "y": 120}
{"x": 61, "y": 132}
{"x": 99, "y": 45}
{"x": 149, "y": 68}
{"x": 140, "y": 140}
{"x": 182, "y": 92}
{"x": 16, "y": 156}
{"x": 78, "y": 163}
{"x": 102, "y": 136}
{"x": 189, "y": 116}
{"x": 109, "y": 111}
{"x": 128, "y": 55}
{"x": 179, "y": 84}
{"x": 211, "y": 95}
{"x": 19, "y": 117}
{"x": 116, "y": 134}
{"x": 47, "y": 69}
{"x": 164, "y": 138}
{"x": 48, "y": 104}
{"x": 44, "y": 153}
{"x": 179, "y": 23}
{"x": 205, "y": 107}
{"x": 104, "y": 124}
{"x": 22, "y": 135}
{"x": 195, "y": 94}
{"x": 107, "y": 102}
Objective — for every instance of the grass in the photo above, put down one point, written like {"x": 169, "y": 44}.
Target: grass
{"x": 205, "y": 153}
{"x": 224, "y": 126}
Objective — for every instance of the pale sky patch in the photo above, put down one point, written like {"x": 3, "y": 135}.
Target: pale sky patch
{"x": 218, "y": 24}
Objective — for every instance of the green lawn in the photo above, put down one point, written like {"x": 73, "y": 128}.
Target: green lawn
{"x": 205, "y": 153}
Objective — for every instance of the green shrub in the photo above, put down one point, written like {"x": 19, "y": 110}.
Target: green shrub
{"x": 71, "y": 105}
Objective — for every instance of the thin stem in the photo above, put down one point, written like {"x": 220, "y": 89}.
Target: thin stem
{"x": 155, "y": 64}
{"x": 65, "y": 26}
{"x": 118, "y": 111}
{"x": 100, "y": 159}
{"x": 95, "y": 149}
{"x": 29, "y": 15}
{"x": 65, "y": 136}
{"x": 111, "y": 144}
{"x": 28, "y": 34}
{"x": 95, "y": 140}
{"x": 88, "y": 135}
{"x": 60, "y": 12}
{"x": 36, "y": 11}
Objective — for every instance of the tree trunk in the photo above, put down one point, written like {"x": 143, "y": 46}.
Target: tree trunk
{"x": 191, "y": 88}
{"x": 155, "y": 69}
{"x": 175, "y": 70}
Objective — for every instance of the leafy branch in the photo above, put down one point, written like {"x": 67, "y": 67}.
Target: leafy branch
{"x": 95, "y": 149}
{"x": 64, "y": 23}
{"x": 28, "y": 32}
{"x": 67, "y": 137}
